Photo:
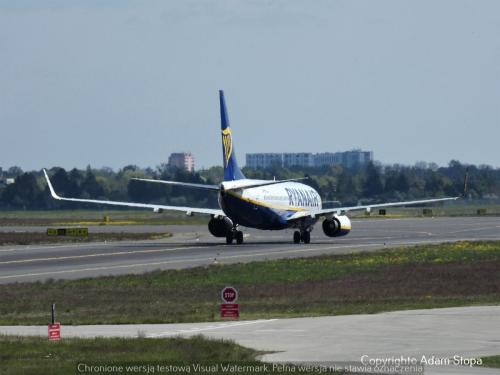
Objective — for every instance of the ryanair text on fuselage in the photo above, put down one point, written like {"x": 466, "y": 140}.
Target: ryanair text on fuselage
{"x": 302, "y": 197}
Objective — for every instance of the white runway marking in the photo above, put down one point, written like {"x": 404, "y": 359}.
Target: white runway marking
{"x": 46, "y": 247}
{"x": 294, "y": 250}
{"x": 471, "y": 230}
{"x": 101, "y": 254}
{"x": 208, "y": 328}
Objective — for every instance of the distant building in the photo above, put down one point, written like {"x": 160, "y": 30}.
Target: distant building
{"x": 356, "y": 158}
{"x": 182, "y": 160}
{"x": 264, "y": 160}
{"x": 349, "y": 159}
{"x": 298, "y": 159}
{"x": 327, "y": 158}
{"x": 6, "y": 181}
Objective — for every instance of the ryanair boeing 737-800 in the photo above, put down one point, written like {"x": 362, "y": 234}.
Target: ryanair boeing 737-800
{"x": 267, "y": 205}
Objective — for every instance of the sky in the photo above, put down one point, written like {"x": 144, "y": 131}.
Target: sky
{"x": 113, "y": 83}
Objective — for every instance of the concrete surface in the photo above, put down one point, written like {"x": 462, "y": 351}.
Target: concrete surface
{"x": 469, "y": 332}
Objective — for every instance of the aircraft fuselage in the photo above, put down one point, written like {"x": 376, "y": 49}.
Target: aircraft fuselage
{"x": 268, "y": 207}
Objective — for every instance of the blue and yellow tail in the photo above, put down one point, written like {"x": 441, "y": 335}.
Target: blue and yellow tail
{"x": 231, "y": 169}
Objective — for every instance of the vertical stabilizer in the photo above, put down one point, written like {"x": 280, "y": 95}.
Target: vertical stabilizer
{"x": 231, "y": 169}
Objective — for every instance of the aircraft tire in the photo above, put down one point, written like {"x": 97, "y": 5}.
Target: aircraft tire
{"x": 239, "y": 237}
{"x": 296, "y": 237}
{"x": 306, "y": 237}
{"x": 229, "y": 238}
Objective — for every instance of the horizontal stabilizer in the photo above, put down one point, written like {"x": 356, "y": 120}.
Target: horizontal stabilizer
{"x": 242, "y": 184}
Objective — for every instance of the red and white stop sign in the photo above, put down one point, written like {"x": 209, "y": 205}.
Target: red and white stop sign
{"x": 229, "y": 294}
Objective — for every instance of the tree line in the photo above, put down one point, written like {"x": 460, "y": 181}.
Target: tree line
{"x": 368, "y": 184}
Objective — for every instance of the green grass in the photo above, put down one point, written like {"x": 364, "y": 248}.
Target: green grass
{"x": 493, "y": 361}
{"x": 442, "y": 275}
{"x": 448, "y": 210}
{"x": 31, "y": 238}
{"x": 97, "y": 217}
{"x": 35, "y": 355}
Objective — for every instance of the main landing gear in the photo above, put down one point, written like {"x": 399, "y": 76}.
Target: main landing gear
{"x": 302, "y": 236}
{"x": 234, "y": 235}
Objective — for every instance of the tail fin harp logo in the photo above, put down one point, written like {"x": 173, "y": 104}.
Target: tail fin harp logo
{"x": 228, "y": 144}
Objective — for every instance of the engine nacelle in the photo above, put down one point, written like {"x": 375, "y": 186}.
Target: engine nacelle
{"x": 219, "y": 227}
{"x": 337, "y": 226}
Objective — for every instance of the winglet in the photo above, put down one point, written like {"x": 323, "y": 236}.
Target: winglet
{"x": 52, "y": 191}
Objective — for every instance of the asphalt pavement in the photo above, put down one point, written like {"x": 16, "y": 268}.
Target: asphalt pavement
{"x": 193, "y": 246}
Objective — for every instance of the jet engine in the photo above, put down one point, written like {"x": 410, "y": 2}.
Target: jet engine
{"x": 337, "y": 226}
{"x": 219, "y": 227}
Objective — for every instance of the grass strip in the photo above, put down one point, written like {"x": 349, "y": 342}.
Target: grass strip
{"x": 35, "y": 355}
{"x": 428, "y": 276}
{"x": 138, "y": 217}
{"x": 492, "y": 361}
{"x": 97, "y": 217}
{"x": 32, "y": 238}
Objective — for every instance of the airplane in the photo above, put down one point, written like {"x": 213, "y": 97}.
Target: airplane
{"x": 261, "y": 204}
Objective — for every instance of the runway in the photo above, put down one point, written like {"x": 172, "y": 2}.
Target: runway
{"x": 467, "y": 332}
{"x": 193, "y": 246}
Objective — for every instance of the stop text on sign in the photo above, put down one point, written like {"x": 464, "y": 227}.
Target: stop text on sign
{"x": 229, "y": 294}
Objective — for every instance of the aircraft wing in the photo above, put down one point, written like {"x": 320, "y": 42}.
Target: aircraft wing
{"x": 339, "y": 210}
{"x": 187, "y": 184}
{"x": 187, "y": 210}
